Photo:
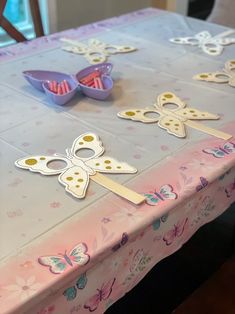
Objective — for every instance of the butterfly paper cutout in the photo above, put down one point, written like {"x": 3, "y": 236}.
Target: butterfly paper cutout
{"x": 71, "y": 292}
{"x": 95, "y": 51}
{"x": 202, "y": 185}
{"x": 123, "y": 241}
{"x": 220, "y": 152}
{"x": 227, "y": 75}
{"x": 157, "y": 222}
{"x": 176, "y": 232}
{"x": 213, "y": 46}
{"x": 172, "y": 120}
{"x": 75, "y": 175}
{"x": 58, "y": 263}
{"x": 165, "y": 193}
{"x": 103, "y": 294}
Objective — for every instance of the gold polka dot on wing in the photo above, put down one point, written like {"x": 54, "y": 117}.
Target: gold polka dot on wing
{"x": 88, "y": 138}
{"x": 31, "y": 161}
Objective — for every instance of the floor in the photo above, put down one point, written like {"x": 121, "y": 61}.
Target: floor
{"x": 176, "y": 277}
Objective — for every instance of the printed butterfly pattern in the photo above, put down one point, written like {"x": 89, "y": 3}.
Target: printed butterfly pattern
{"x": 75, "y": 175}
{"x": 172, "y": 120}
{"x": 71, "y": 292}
{"x": 230, "y": 189}
{"x": 165, "y": 193}
{"x": 227, "y": 75}
{"x": 202, "y": 185}
{"x": 221, "y": 151}
{"x": 102, "y": 294}
{"x": 95, "y": 51}
{"x": 59, "y": 263}
{"x": 123, "y": 241}
{"x": 213, "y": 46}
{"x": 157, "y": 222}
{"x": 175, "y": 232}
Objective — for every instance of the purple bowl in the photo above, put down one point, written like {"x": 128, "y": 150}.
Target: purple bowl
{"x": 100, "y": 94}
{"x": 37, "y": 77}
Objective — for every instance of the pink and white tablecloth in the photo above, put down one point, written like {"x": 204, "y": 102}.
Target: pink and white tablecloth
{"x": 120, "y": 242}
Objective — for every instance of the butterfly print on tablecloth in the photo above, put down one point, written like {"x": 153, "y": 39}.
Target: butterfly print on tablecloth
{"x": 59, "y": 263}
{"x": 71, "y": 292}
{"x": 102, "y": 294}
{"x": 221, "y": 151}
{"x": 175, "y": 232}
{"x": 166, "y": 193}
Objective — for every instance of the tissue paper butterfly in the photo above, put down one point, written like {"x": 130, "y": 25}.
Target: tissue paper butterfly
{"x": 220, "y": 152}
{"x": 102, "y": 294}
{"x": 202, "y": 185}
{"x": 165, "y": 193}
{"x": 176, "y": 232}
{"x": 121, "y": 243}
{"x": 75, "y": 176}
{"x": 71, "y": 292}
{"x": 59, "y": 263}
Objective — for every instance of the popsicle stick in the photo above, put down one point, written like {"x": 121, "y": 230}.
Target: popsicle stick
{"x": 118, "y": 188}
{"x": 205, "y": 129}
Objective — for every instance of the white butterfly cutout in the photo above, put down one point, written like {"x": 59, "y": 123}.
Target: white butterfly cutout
{"x": 58, "y": 263}
{"x": 172, "y": 120}
{"x": 209, "y": 44}
{"x": 75, "y": 175}
{"x": 95, "y": 51}
{"x": 227, "y": 75}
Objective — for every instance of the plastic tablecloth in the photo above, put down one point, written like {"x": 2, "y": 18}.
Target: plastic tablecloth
{"x": 121, "y": 241}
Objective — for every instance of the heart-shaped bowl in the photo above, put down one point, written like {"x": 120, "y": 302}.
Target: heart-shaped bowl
{"x": 61, "y": 99}
{"x": 105, "y": 70}
{"x": 37, "y": 77}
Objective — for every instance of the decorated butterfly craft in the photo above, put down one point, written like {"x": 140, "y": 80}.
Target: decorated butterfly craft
{"x": 59, "y": 263}
{"x": 213, "y": 46}
{"x": 71, "y": 292}
{"x": 221, "y": 151}
{"x": 174, "y": 120}
{"x": 78, "y": 170}
{"x": 175, "y": 232}
{"x": 165, "y": 193}
{"x": 95, "y": 51}
{"x": 227, "y": 75}
{"x": 102, "y": 294}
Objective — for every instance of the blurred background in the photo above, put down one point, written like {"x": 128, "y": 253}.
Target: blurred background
{"x": 58, "y": 15}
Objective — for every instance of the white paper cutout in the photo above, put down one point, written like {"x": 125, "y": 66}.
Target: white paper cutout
{"x": 210, "y": 45}
{"x": 75, "y": 175}
{"x": 227, "y": 75}
{"x": 172, "y": 120}
{"x": 95, "y": 51}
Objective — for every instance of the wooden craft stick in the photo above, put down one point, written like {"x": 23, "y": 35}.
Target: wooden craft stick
{"x": 208, "y": 130}
{"x": 118, "y": 188}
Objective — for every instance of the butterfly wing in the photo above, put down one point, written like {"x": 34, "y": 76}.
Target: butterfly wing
{"x": 180, "y": 227}
{"x": 138, "y": 115}
{"x": 70, "y": 293}
{"x": 56, "y": 264}
{"x": 185, "y": 40}
{"x": 93, "y": 302}
{"x": 156, "y": 224}
{"x": 76, "y": 180}
{"x": 107, "y": 288}
{"x": 74, "y": 46}
{"x": 169, "y": 236}
{"x": 79, "y": 255}
{"x": 88, "y": 141}
{"x": 110, "y": 165}
{"x": 136, "y": 260}
{"x": 217, "y": 77}
{"x": 216, "y": 152}
{"x": 164, "y": 217}
{"x": 166, "y": 192}
{"x": 212, "y": 48}
{"x": 82, "y": 281}
{"x": 229, "y": 147}
{"x": 151, "y": 199}
{"x": 173, "y": 125}
{"x": 203, "y": 36}
{"x": 112, "y": 49}
{"x": 40, "y": 164}
{"x": 124, "y": 238}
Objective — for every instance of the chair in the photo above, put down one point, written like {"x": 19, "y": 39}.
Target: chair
{"x": 12, "y": 31}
